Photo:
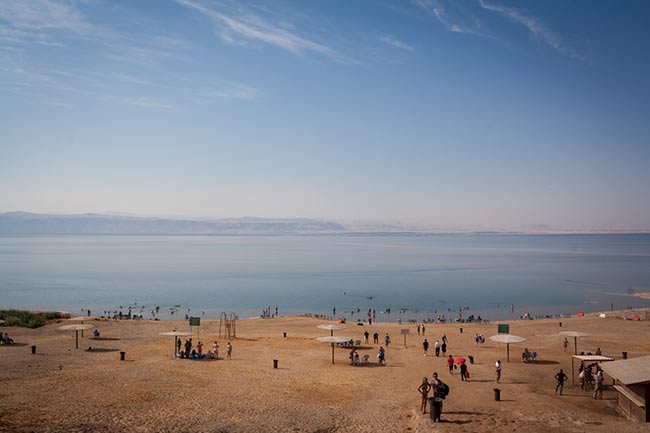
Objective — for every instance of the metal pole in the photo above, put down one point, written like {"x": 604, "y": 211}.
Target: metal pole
{"x": 76, "y": 339}
{"x": 507, "y": 352}
{"x": 175, "y": 345}
{"x": 332, "y": 353}
{"x": 573, "y": 373}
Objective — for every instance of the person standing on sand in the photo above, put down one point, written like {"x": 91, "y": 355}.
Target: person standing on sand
{"x": 424, "y": 392}
{"x": 443, "y": 346}
{"x": 365, "y": 336}
{"x": 437, "y": 347}
{"x": 381, "y": 356}
{"x": 450, "y": 364}
{"x": 598, "y": 387}
{"x": 425, "y": 346}
{"x": 375, "y": 338}
{"x": 229, "y": 351}
{"x": 497, "y": 366}
{"x": 422, "y": 329}
{"x": 565, "y": 344}
{"x": 387, "y": 340}
{"x": 560, "y": 377}
{"x": 215, "y": 349}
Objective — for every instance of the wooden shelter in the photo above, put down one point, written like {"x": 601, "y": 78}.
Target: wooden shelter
{"x": 632, "y": 384}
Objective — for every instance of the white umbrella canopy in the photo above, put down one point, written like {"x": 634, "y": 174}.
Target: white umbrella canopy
{"x": 331, "y": 327}
{"x": 76, "y": 329}
{"x": 575, "y": 335}
{"x": 507, "y": 338}
{"x": 176, "y": 334}
{"x": 333, "y": 340}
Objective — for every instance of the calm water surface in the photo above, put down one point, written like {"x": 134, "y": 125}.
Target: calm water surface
{"x": 299, "y": 274}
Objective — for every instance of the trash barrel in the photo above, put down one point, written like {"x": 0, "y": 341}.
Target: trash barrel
{"x": 275, "y": 363}
{"x": 122, "y": 355}
{"x": 435, "y": 408}
{"x": 497, "y": 394}
{"x": 461, "y": 330}
{"x": 33, "y": 350}
{"x": 624, "y": 355}
{"x": 285, "y": 335}
{"x": 560, "y": 324}
{"x": 471, "y": 359}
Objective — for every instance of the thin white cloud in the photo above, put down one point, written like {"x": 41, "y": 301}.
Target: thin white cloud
{"x": 392, "y": 41}
{"x": 462, "y": 22}
{"x": 253, "y": 27}
{"x": 536, "y": 27}
{"x": 144, "y": 102}
{"x": 42, "y": 15}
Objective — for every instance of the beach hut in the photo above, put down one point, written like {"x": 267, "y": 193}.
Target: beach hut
{"x": 586, "y": 359}
{"x": 632, "y": 385}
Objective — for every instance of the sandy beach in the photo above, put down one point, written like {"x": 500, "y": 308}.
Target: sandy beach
{"x": 60, "y": 389}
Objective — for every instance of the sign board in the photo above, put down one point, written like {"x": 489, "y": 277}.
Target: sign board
{"x": 504, "y": 329}
{"x": 196, "y": 321}
{"x": 403, "y": 331}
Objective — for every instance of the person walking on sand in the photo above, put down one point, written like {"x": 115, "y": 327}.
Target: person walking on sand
{"x": 450, "y": 364}
{"x": 464, "y": 374}
{"x": 375, "y": 338}
{"x": 425, "y": 346}
{"x": 497, "y": 366}
{"x": 381, "y": 356}
{"x": 565, "y": 344}
{"x": 229, "y": 351}
{"x": 365, "y": 336}
{"x": 598, "y": 386}
{"x": 560, "y": 377}
{"x": 436, "y": 346}
{"x": 387, "y": 340}
{"x": 424, "y": 392}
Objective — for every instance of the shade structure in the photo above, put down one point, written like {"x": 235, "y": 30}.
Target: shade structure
{"x": 331, "y": 328}
{"x": 81, "y": 319}
{"x": 575, "y": 335}
{"x": 333, "y": 340}
{"x": 507, "y": 338}
{"x": 176, "y": 334}
{"x": 76, "y": 329}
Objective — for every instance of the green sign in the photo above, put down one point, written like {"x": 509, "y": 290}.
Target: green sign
{"x": 504, "y": 329}
{"x": 196, "y": 321}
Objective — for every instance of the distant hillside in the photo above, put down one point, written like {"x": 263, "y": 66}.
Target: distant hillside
{"x": 23, "y": 223}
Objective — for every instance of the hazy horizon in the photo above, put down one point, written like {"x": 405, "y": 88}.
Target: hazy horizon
{"x": 474, "y": 114}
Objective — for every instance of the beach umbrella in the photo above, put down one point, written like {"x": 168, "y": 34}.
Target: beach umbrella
{"x": 81, "y": 319}
{"x": 459, "y": 361}
{"x": 176, "y": 334}
{"x": 76, "y": 329}
{"x": 575, "y": 335}
{"x": 331, "y": 328}
{"x": 507, "y": 338}
{"x": 333, "y": 340}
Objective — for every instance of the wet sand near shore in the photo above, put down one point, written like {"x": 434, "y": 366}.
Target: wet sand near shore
{"x": 60, "y": 389}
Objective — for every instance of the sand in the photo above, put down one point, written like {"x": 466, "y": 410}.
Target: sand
{"x": 61, "y": 389}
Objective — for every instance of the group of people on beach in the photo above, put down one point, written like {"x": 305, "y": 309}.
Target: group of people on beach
{"x": 6, "y": 339}
{"x": 188, "y": 351}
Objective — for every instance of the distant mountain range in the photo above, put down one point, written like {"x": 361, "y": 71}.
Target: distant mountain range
{"x": 24, "y": 223}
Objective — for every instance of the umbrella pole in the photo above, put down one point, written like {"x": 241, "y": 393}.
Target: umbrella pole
{"x": 175, "y": 346}
{"x": 507, "y": 352}
{"x": 573, "y": 372}
{"x": 76, "y": 339}
{"x": 332, "y": 353}
{"x": 575, "y": 345}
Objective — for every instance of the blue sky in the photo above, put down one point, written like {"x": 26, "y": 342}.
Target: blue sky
{"x": 471, "y": 114}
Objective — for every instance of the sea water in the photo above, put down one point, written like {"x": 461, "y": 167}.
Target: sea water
{"x": 499, "y": 276}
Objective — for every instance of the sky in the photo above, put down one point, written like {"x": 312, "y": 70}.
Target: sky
{"x": 481, "y": 114}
